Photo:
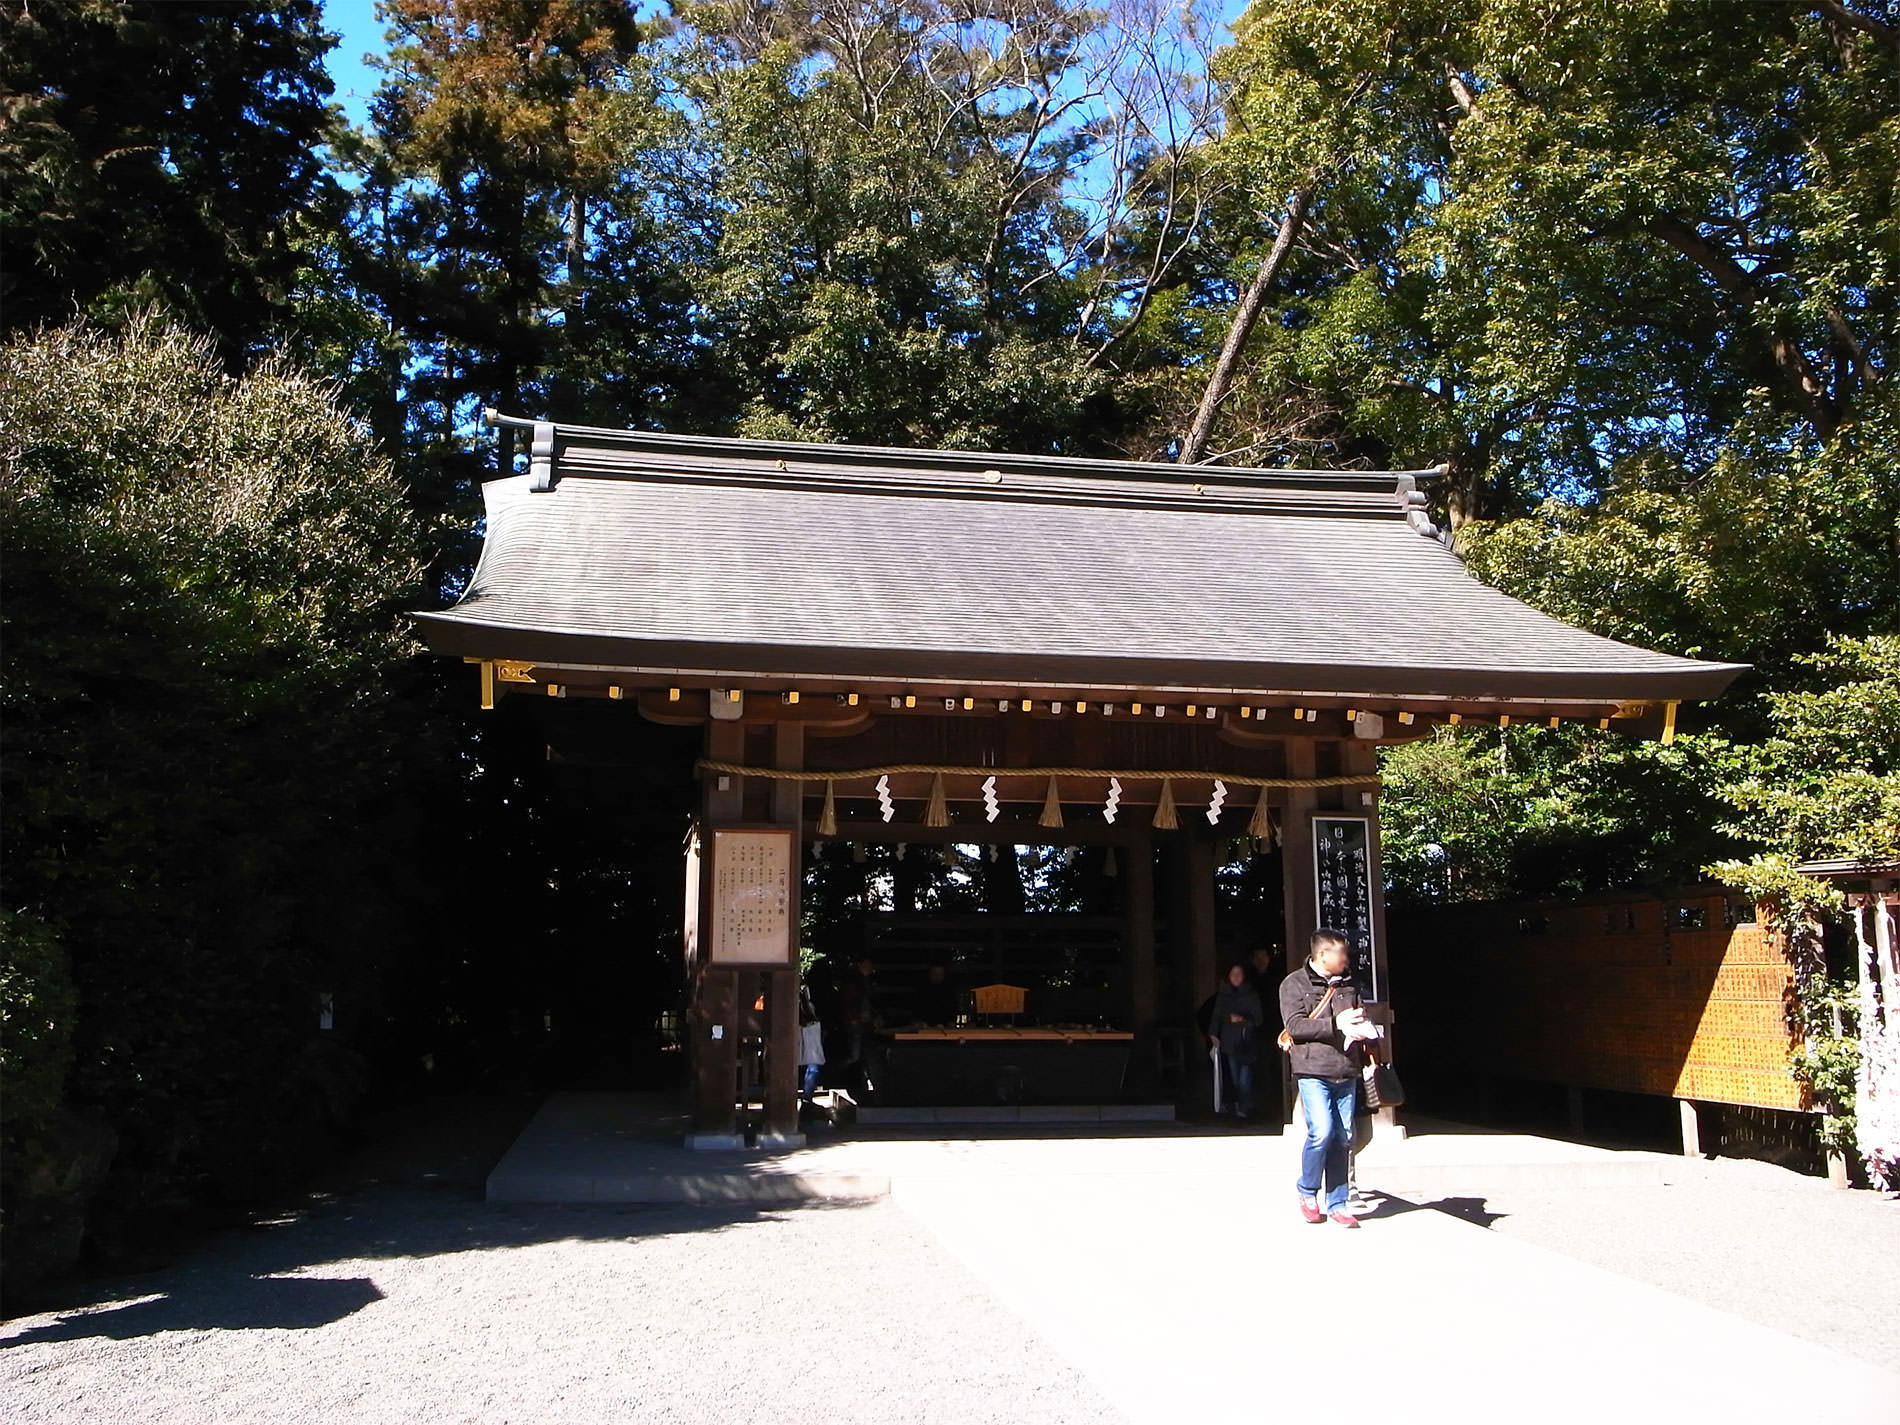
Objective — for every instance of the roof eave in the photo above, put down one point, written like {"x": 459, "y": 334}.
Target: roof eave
{"x": 458, "y": 635}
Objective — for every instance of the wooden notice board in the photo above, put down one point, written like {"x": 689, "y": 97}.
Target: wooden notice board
{"x": 1342, "y": 876}
{"x": 751, "y": 905}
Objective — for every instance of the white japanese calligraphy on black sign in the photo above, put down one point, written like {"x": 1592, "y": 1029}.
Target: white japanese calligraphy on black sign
{"x": 1342, "y": 874}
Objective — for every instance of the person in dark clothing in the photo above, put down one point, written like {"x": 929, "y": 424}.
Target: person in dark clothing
{"x": 1234, "y": 1029}
{"x": 858, "y": 1014}
{"x": 1260, "y": 971}
{"x": 1319, "y": 1008}
{"x": 937, "y": 1000}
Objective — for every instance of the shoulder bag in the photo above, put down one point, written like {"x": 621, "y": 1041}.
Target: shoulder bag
{"x": 1285, "y": 1041}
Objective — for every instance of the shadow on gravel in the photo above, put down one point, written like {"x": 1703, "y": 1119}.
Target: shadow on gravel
{"x": 1467, "y": 1209}
{"x": 413, "y": 1190}
{"x": 243, "y": 1280}
{"x": 250, "y": 1304}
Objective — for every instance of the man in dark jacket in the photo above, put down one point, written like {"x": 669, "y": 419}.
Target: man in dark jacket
{"x": 1234, "y": 1029}
{"x": 1320, "y": 1010}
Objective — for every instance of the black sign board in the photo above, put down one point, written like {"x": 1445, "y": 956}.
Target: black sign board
{"x": 1342, "y": 875}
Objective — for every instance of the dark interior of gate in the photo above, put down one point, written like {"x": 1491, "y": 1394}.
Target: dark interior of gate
{"x": 1012, "y": 962}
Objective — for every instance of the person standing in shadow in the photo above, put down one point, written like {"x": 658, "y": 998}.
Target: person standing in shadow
{"x": 937, "y": 999}
{"x": 1234, "y": 1029}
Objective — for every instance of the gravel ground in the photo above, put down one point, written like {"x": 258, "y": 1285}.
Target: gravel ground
{"x": 1766, "y": 1244}
{"x": 394, "y": 1294}
{"x": 401, "y": 1304}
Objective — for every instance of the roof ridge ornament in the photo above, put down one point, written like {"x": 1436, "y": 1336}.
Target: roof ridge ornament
{"x": 1412, "y": 501}
{"x": 541, "y": 457}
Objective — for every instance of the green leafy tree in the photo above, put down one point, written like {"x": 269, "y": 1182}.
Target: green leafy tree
{"x": 159, "y": 149}
{"x": 1550, "y": 237}
{"x": 200, "y": 583}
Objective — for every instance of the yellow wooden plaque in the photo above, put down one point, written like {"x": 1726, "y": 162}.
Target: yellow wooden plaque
{"x": 751, "y": 902}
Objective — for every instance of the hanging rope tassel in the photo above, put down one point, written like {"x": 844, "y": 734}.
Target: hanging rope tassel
{"x": 1108, "y": 864}
{"x": 828, "y": 818}
{"x": 1052, "y": 806}
{"x": 1261, "y": 827}
{"x": 938, "y": 812}
{"x": 1164, "y": 810}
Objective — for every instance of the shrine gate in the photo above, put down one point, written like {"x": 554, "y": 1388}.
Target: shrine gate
{"x": 930, "y": 647}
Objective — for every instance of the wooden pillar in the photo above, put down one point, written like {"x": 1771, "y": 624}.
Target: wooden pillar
{"x": 1296, "y": 848}
{"x": 1138, "y": 930}
{"x": 713, "y": 1024}
{"x": 1362, "y": 757}
{"x": 1200, "y": 869}
{"x": 780, "y": 1128}
{"x": 1187, "y": 997}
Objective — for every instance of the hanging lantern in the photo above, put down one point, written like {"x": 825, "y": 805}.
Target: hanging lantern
{"x": 1052, "y": 806}
{"x": 937, "y": 813}
{"x": 1164, "y": 811}
{"x": 828, "y": 818}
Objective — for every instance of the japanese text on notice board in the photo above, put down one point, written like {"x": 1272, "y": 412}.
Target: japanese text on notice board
{"x": 751, "y": 897}
{"x": 1342, "y": 869}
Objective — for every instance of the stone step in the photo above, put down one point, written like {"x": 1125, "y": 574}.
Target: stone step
{"x": 868, "y": 1114}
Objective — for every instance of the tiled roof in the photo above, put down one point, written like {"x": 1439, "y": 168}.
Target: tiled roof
{"x": 774, "y": 558}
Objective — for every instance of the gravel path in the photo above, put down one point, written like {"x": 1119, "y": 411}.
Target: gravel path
{"x": 401, "y": 1304}
{"x": 395, "y": 1294}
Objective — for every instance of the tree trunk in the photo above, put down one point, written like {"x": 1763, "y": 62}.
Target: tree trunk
{"x": 576, "y": 266}
{"x": 1194, "y": 446}
{"x": 1789, "y": 363}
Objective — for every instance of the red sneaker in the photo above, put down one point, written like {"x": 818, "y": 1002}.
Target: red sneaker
{"x": 1310, "y": 1210}
{"x": 1344, "y": 1219}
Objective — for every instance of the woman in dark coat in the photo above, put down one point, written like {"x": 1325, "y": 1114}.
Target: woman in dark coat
{"x": 1235, "y": 1031}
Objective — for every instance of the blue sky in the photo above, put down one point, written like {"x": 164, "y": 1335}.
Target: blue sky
{"x": 362, "y": 34}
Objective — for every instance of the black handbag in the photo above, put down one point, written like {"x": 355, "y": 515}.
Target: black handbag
{"x": 1382, "y": 1086}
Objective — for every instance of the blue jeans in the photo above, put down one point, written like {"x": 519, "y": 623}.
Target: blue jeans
{"x": 1328, "y": 1106}
{"x": 808, "y": 1080}
{"x": 1240, "y": 1079}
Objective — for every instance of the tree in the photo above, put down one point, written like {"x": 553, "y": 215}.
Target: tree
{"x": 498, "y": 133}
{"x": 201, "y": 577}
{"x": 1568, "y": 233}
{"x": 159, "y": 151}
